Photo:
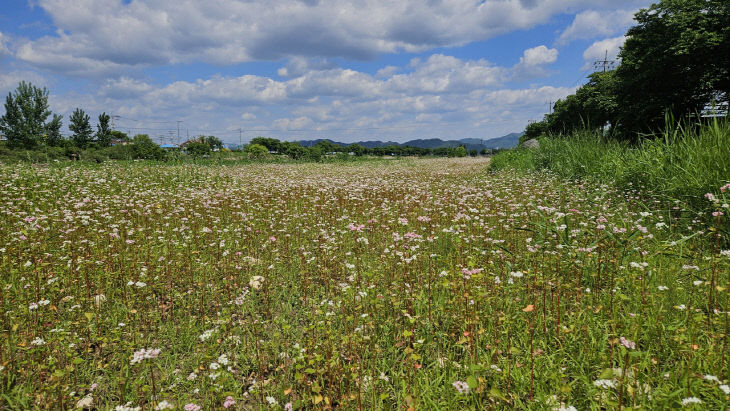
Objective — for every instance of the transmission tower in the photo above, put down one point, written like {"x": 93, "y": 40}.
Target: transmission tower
{"x": 606, "y": 63}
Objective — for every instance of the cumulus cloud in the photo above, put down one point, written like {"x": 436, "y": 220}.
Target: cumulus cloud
{"x": 102, "y": 37}
{"x": 592, "y": 24}
{"x": 600, "y": 49}
{"x": 426, "y": 98}
{"x": 533, "y": 61}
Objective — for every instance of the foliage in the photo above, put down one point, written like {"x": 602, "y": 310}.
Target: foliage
{"x": 53, "y": 131}
{"x": 257, "y": 151}
{"x": 81, "y": 128}
{"x": 103, "y": 131}
{"x": 197, "y": 149}
{"x": 144, "y": 148}
{"x": 271, "y": 144}
{"x": 26, "y": 110}
{"x": 213, "y": 142}
{"x": 676, "y": 58}
{"x": 682, "y": 165}
{"x": 118, "y": 137}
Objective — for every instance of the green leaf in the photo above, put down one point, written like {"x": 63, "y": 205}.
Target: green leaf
{"x": 472, "y": 382}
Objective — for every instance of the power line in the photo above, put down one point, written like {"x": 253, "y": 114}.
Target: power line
{"x": 606, "y": 63}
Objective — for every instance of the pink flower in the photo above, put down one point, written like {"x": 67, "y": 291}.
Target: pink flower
{"x": 272, "y": 238}
{"x": 356, "y": 227}
{"x": 192, "y": 407}
{"x": 229, "y": 402}
{"x": 717, "y": 214}
{"x": 288, "y": 407}
{"x": 628, "y": 343}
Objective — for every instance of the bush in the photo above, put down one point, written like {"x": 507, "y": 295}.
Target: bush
{"x": 198, "y": 149}
{"x": 144, "y": 148}
{"x": 119, "y": 152}
{"x": 257, "y": 151}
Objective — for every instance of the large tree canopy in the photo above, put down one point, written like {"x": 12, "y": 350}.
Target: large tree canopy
{"x": 676, "y": 58}
{"x": 26, "y": 110}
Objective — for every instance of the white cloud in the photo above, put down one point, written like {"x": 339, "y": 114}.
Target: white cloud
{"x": 3, "y": 45}
{"x": 436, "y": 97}
{"x": 97, "y": 37}
{"x": 532, "y": 62}
{"x": 9, "y": 81}
{"x": 599, "y": 50}
{"x": 538, "y": 55}
{"x": 592, "y": 24}
{"x": 285, "y": 124}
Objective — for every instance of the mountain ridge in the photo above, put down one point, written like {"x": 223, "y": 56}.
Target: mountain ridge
{"x": 507, "y": 141}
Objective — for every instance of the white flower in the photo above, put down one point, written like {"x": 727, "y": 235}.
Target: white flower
{"x": 461, "y": 387}
{"x": 43, "y": 302}
{"x": 32, "y": 306}
{"x": 709, "y": 377}
{"x": 214, "y": 366}
{"x": 271, "y": 400}
{"x": 38, "y": 341}
{"x": 256, "y": 282}
{"x": 144, "y": 354}
{"x": 662, "y": 288}
{"x": 384, "y": 377}
{"x": 192, "y": 376}
{"x": 164, "y": 405}
{"x": 223, "y": 359}
{"x": 140, "y": 284}
{"x": 567, "y": 408}
{"x": 205, "y": 335}
{"x": 86, "y": 402}
{"x": 604, "y": 384}
{"x": 698, "y": 282}
{"x": 691, "y": 400}
{"x": 725, "y": 388}
{"x": 126, "y": 407}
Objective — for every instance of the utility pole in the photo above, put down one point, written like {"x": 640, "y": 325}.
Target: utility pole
{"x": 550, "y": 107}
{"x": 114, "y": 118}
{"x": 240, "y": 138}
{"x": 606, "y": 63}
{"x": 178, "y": 131}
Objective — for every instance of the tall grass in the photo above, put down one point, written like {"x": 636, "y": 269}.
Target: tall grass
{"x": 683, "y": 164}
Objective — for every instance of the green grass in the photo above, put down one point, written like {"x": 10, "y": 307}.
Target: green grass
{"x": 682, "y": 165}
{"x": 376, "y": 285}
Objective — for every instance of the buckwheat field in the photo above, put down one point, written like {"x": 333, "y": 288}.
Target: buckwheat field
{"x": 393, "y": 285}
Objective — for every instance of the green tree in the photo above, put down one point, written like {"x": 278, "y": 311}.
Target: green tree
{"x": 213, "y": 142}
{"x": 26, "y": 110}
{"x": 295, "y": 151}
{"x": 144, "y": 148}
{"x": 118, "y": 136}
{"x": 257, "y": 151}
{"x": 676, "y": 59}
{"x": 197, "y": 149}
{"x": 357, "y": 149}
{"x": 271, "y": 144}
{"x": 81, "y": 128}
{"x": 53, "y": 131}
{"x": 103, "y": 131}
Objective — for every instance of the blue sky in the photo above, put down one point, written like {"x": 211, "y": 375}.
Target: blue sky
{"x": 347, "y": 70}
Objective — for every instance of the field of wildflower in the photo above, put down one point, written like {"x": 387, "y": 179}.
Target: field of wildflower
{"x": 402, "y": 284}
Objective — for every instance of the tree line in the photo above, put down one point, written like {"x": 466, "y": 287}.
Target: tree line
{"x": 674, "y": 63}
{"x": 260, "y": 146}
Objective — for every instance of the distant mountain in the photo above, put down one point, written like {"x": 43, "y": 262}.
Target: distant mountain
{"x": 508, "y": 141}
